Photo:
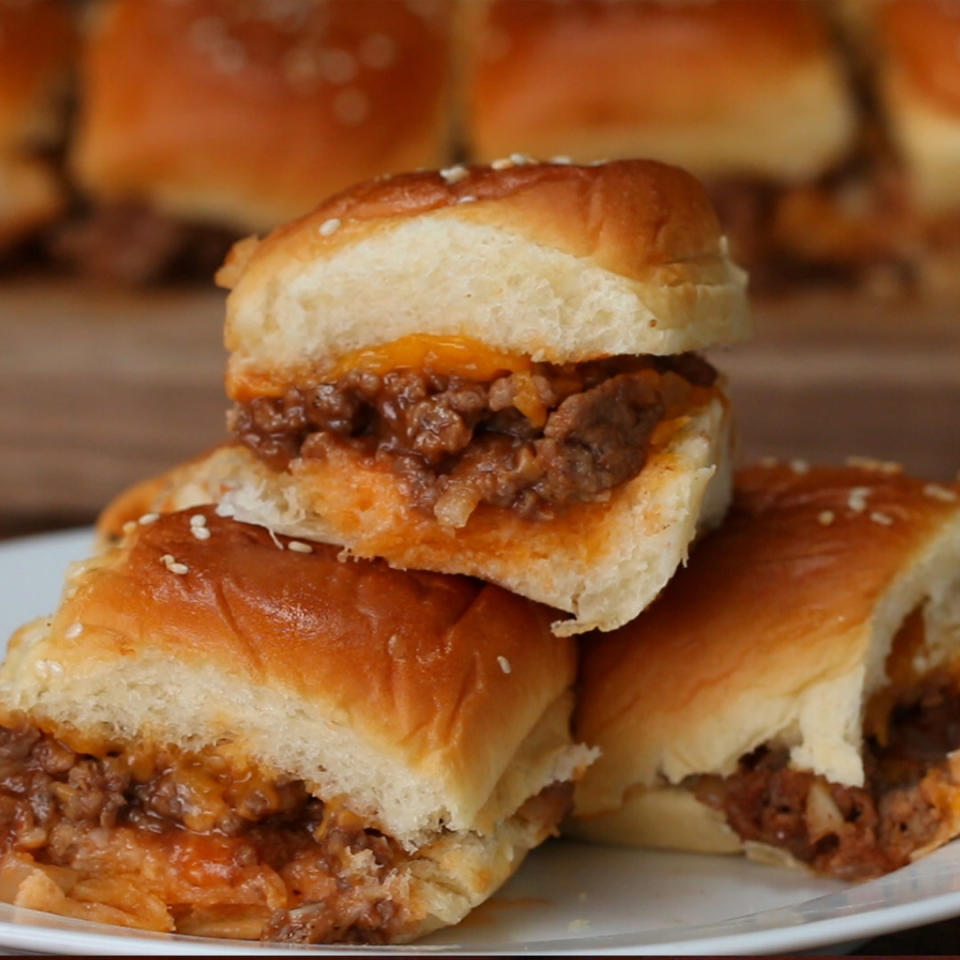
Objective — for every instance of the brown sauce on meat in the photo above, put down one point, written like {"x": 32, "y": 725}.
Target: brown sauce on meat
{"x": 530, "y": 441}
{"x": 133, "y": 244}
{"x": 852, "y": 833}
{"x": 212, "y": 836}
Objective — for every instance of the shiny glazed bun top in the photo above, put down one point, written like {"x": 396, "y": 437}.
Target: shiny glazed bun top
{"x": 558, "y": 262}
{"x": 246, "y": 113}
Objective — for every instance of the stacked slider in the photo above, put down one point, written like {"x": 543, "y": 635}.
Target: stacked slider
{"x": 490, "y": 371}
{"x": 231, "y": 727}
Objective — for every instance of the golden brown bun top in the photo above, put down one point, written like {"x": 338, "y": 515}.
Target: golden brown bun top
{"x": 371, "y": 638}
{"x": 923, "y": 38}
{"x": 558, "y": 262}
{"x": 625, "y": 216}
{"x": 36, "y": 47}
{"x": 695, "y": 56}
{"x": 782, "y": 598}
{"x": 251, "y": 111}
{"x": 412, "y": 693}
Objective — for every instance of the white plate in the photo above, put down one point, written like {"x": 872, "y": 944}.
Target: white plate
{"x": 567, "y": 898}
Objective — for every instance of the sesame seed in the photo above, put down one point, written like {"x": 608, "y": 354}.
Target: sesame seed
{"x": 378, "y": 51}
{"x": 71, "y": 592}
{"x": 825, "y": 518}
{"x": 935, "y": 492}
{"x": 298, "y": 546}
{"x": 466, "y": 198}
{"x": 338, "y": 67}
{"x": 857, "y": 499}
{"x": 504, "y": 664}
{"x": 198, "y": 520}
{"x": 351, "y": 107}
{"x": 73, "y": 631}
{"x": 148, "y": 518}
{"x": 301, "y": 68}
{"x": 799, "y": 466}
{"x": 329, "y": 227}
{"x": 129, "y": 527}
{"x": 200, "y": 533}
{"x": 501, "y": 164}
{"x": 561, "y": 159}
{"x": 454, "y": 174}
{"x": 225, "y": 510}
{"x": 884, "y": 519}
{"x": 174, "y": 566}
{"x": 879, "y": 466}
{"x": 520, "y": 159}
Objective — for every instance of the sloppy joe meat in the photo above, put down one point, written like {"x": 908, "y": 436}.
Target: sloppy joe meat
{"x": 168, "y": 840}
{"x": 529, "y": 440}
{"x": 853, "y": 833}
{"x": 212, "y": 838}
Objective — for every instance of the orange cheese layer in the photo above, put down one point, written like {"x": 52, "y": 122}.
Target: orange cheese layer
{"x": 447, "y": 356}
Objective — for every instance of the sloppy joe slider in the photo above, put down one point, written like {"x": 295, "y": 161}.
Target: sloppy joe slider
{"x": 919, "y": 81}
{"x": 793, "y": 693}
{"x": 36, "y": 48}
{"x": 749, "y": 95}
{"x": 203, "y": 120}
{"x": 228, "y": 733}
{"x": 489, "y": 371}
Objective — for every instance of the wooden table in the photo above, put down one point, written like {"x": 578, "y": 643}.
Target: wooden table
{"x": 101, "y": 389}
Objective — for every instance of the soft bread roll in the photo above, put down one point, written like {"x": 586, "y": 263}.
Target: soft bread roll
{"x": 245, "y": 114}
{"x": 433, "y": 708}
{"x": 556, "y": 262}
{"x": 920, "y": 90}
{"x": 602, "y": 561}
{"x": 36, "y": 47}
{"x": 778, "y": 634}
{"x": 743, "y": 88}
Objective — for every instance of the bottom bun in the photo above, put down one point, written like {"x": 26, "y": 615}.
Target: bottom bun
{"x": 602, "y": 561}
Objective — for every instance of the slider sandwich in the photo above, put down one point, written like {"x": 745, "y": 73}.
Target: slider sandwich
{"x": 794, "y": 693}
{"x": 203, "y": 120}
{"x": 919, "y": 89}
{"x": 489, "y": 371}
{"x": 749, "y": 95}
{"x": 36, "y": 47}
{"x": 228, "y": 733}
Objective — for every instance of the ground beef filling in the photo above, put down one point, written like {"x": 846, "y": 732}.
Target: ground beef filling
{"x": 188, "y": 835}
{"x": 531, "y": 441}
{"x": 132, "y": 243}
{"x": 849, "y": 832}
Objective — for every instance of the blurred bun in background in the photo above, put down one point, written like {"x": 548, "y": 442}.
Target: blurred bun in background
{"x": 750, "y": 95}
{"x": 919, "y": 85}
{"x": 202, "y": 120}
{"x": 733, "y": 88}
{"x": 36, "y": 47}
